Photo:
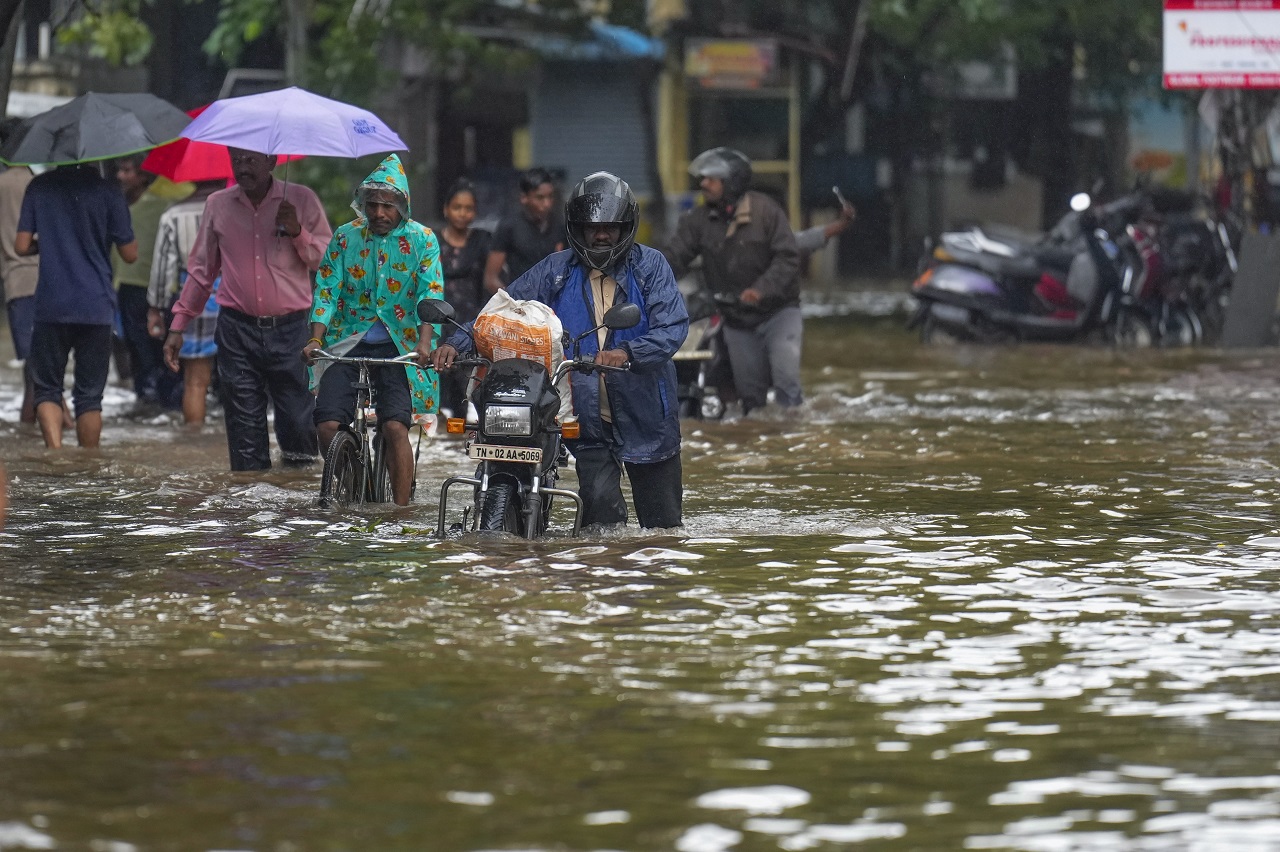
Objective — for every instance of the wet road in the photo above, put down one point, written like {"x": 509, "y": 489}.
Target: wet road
{"x": 965, "y": 599}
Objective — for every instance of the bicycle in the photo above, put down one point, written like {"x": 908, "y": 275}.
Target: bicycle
{"x": 355, "y": 463}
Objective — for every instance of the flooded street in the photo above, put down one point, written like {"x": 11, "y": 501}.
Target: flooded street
{"x": 1018, "y": 599}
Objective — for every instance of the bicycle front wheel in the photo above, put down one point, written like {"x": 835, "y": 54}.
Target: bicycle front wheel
{"x": 340, "y": 481}
{"x": 380, "y": 483}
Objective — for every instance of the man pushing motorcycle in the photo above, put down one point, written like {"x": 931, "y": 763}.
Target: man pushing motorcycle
{"x": 626, "y": 419}
{"x": 751, "y": 263}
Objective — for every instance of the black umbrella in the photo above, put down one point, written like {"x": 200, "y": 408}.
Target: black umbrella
{"x": 94, "y": 127}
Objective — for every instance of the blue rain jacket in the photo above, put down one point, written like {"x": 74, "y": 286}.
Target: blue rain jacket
{"x": 646, "y": 415}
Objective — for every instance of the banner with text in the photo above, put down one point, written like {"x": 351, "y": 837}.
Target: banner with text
{"x": 1221, "y": 44}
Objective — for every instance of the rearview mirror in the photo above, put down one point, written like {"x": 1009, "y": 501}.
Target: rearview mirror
{"x": 626, "y": 315}
{"x": 435, "y": 311}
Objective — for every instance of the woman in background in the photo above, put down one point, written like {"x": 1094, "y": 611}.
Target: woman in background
{"x": 463, "y": 251}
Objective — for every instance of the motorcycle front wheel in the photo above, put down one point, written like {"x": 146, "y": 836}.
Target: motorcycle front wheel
{"x": 934, "y": 333}
{"x": 340, "y": 481}
{"x": 500, "y": 509}
{"x": 1181, "y": 328}
{"x": 1132, "y": 330}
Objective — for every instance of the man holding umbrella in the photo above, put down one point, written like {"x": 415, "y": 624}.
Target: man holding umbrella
{"x": 265, "y": 238}
{"x": 76, "y": 216}
{"x": 72, "y": 217}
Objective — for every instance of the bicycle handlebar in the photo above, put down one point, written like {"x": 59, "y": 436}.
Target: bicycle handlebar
{"x": 408, "y": 358}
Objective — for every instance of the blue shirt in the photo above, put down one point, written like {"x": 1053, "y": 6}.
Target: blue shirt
{"x": 377, "y": 333}
{"x": 77, "y": 216}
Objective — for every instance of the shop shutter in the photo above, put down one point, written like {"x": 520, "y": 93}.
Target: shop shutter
{"x": 586, "y": 117}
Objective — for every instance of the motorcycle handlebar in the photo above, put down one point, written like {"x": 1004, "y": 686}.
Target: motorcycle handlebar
{"x": 585, "y": 365}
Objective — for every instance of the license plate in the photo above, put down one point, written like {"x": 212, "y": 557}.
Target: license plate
{"x": 496, "y": 452}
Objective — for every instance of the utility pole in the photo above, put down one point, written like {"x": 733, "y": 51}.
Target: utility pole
{"x": 297, "y": 17}
{"x": 10, "y": 24}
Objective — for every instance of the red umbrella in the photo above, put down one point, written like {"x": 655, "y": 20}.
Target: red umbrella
{"x": 185, "y": 160}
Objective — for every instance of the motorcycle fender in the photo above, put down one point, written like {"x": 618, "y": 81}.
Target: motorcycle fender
{"x": 498, "y": 474}
{"x": 953, "y": 280}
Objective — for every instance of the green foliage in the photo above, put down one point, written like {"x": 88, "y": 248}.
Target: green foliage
{"x": 333, "y": 179}
{"x": 116, "y": 35}
{"x": 913, "y": 38}
{"x": 240, "y": 23}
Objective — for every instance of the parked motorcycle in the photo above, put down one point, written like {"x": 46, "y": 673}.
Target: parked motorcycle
{"x": 512, "y": 431}
{"x": 1161, "y": 295}
{"x": 1210, "y": 269}
{"x": 980, "y": 293}
{"x": 1178, "y": 264}
{"x": 1186, "y": 264}
{"x": 979, "y": 246}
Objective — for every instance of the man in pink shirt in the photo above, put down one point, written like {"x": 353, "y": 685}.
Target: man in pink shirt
{"x": 265, "y": 238}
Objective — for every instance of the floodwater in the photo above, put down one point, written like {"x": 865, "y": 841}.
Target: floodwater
{"x": 1018, "y": 598}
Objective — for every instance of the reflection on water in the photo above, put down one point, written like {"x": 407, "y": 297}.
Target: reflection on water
{"x": 990, "y": 599}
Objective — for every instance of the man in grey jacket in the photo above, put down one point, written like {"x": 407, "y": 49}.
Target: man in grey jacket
{"x": 751, "y": 264}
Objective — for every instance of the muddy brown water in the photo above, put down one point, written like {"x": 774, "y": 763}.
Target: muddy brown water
{"x": 1021, "y": 598}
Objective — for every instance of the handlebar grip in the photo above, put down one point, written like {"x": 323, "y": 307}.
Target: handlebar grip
{"x": 584, "y": 364}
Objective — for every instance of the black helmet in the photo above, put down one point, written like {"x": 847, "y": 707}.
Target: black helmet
{"x": 601, "y": 199}
{"x": 728, "y": 165}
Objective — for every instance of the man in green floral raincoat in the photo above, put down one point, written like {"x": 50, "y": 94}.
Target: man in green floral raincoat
{"x": 375, "y": 270}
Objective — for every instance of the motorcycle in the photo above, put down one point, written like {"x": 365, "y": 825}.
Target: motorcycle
{"x": 1006, "y": 250}
{"x": 512, "y": 431}
{"x": 1209, "y": 270}
{"x": 987, "y": 291}
{"x": 704, "y": 383}
{"x": 1186, "y": 263}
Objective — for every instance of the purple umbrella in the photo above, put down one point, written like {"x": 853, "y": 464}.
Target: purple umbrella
{"x": 294, "y": 121}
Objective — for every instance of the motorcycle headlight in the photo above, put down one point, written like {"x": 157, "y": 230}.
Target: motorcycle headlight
{"x": 513, "y": 420}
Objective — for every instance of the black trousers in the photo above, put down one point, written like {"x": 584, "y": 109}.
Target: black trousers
{"x": 152, "y": 381}
{"x": 656, "y": 489}
{"x": 260, "y": 361}
{"x": 393, "y": 400}
{"x": 51, "y": 346}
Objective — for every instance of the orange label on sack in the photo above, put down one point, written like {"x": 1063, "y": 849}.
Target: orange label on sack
{"x": 499, "y": 337}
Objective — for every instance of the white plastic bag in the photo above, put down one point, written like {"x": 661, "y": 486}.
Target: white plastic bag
{"x": 523, "y": 328}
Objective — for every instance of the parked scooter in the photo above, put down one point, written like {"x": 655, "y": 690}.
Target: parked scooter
{"x": 992, "y": 297}
{"x": 512, "y": 430}
{"x": 1007, "y": 251}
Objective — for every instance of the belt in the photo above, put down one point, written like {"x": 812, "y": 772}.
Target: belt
{"x": 264, "y": 322}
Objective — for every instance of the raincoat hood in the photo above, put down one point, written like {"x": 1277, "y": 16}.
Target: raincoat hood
{"x": 388, "y": 175}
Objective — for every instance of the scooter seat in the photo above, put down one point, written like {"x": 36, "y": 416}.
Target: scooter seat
{"x": 1021, "y": 266}
{"x": 1055, "y": 258}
